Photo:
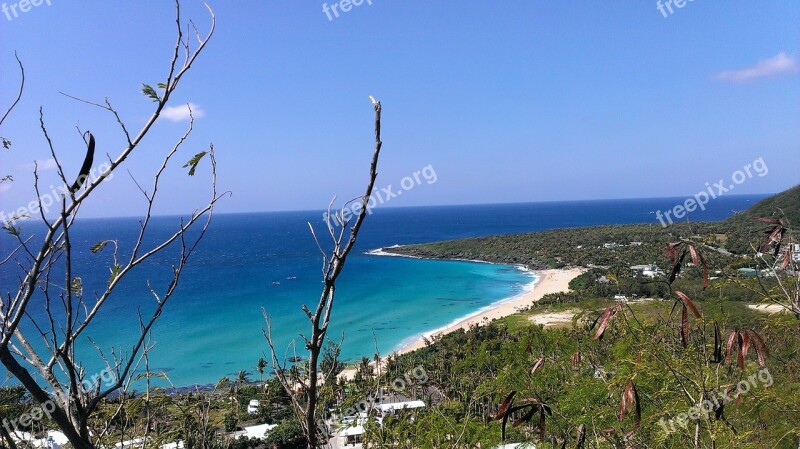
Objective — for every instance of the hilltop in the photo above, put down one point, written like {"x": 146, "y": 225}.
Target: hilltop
{"x": 611, "y": 245}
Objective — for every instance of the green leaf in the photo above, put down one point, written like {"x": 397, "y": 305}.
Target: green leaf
{"x": 115, "y": 270}
{"x": 162, "y": 86}
{"x": 11, "y": 229}
{"x": 192, "y": 164}
{"x": 97, "y": 247}
{"x": 77, "y": 285}
{"x": 149, "y": 92}
{"x": 147, "y": 375}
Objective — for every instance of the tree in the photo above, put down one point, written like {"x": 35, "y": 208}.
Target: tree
{"x": 288, "y": 435}
{"x": 54, "y": 376}
{"x": 330, "y": 359}
{"x": 260, "y": 366}
{"x": 306, "y": 402}
{"x": 242, "y": 377}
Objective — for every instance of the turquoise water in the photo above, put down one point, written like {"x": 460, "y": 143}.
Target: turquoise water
{"x": 212, "y": 327}
{"x": 383, "y": 300}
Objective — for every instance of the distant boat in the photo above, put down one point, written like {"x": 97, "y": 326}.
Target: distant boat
{"x": 295, "y": 359}
{"x": 291, "y": 278}
{"x": 276, "y": 283}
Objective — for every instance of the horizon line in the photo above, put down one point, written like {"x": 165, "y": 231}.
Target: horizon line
{"x": 431, "y": 206}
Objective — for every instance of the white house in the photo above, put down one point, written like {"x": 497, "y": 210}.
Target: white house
{"x": 353, "y": 426}
{"x": 260, "y": 431}
{"x": 53, "y": 439}
{"x": 174, "y": 445}
{"x": 646, "y": 270}
{"x": 393, "y": 407}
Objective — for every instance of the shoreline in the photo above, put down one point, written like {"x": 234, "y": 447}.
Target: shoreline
{"x": 547, "y": 281}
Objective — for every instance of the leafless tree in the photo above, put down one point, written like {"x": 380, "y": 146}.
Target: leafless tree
{"x": 304, "y": 388}
{"x": 53, "y": 374}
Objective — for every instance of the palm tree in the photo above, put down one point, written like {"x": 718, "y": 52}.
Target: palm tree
{"x": 241, "y": 378}
{"x": 262, "y": 364}
{"x": 223, "y": 382}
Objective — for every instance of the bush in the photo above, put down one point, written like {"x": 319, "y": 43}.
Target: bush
{"x": 288, "y": 435}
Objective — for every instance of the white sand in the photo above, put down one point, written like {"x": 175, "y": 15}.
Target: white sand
{"x": 550, "y": 281}
{"x": 551, "y": 319}
{"x": 767, "y": 308}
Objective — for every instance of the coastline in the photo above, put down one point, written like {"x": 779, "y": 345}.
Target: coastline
{"x": 545, "y": 282}
{"x": 548, "y": 281}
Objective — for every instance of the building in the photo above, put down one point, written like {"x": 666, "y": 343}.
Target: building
{"x": 52, "y": 439}
{"x": 353, "y": 426}
{"x": 747, "y": 272}
{"x": 260, "y": 431}
{"x": 650, "y": 271}
{"x": 395, "y": 406}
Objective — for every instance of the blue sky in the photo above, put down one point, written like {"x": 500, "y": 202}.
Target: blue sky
{"x": 508, "y": 102}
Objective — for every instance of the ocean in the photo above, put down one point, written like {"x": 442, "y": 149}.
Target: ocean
{"x": 212, "y": 327}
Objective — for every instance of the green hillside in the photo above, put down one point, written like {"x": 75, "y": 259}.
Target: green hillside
{"x": 783, "y": 205}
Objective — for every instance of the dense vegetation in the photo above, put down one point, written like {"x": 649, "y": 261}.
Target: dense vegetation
{"x": 608, "y": 246}
{"x": 685, "y": 365}
{"x": 582, "y": 379}
{"x": 643, "y": 380}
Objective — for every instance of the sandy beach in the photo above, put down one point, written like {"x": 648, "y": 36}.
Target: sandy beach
{"x": 549, "y": 281}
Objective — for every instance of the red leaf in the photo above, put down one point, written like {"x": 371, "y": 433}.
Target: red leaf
{"x": 604, "y": 319}
{"x": 671, "y": 250}
{"x": 745, "y": 344}
{"x": 760, "y": 340}
{"x": 623, "y": 404}
{"x": 505, "y": 405}
{"x": 688, "y": 302}
{"x": 761, "y": 348}
{"x": 695, "y": 256}
{"x": 525, "y": 418}
{"x": 787, "y": 257}
{"x": 768, "y": 220}
{"x": 630, "y": 402}
{"x": 729, "y": 348}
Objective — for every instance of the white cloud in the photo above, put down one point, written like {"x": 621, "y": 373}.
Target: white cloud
{"x": 181, "y": 113}
{"x": 47, "y": 164}
{"x": 5, "y": 186}
{"x": 42, "y": 165}
{"x": 780, "y": 63}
